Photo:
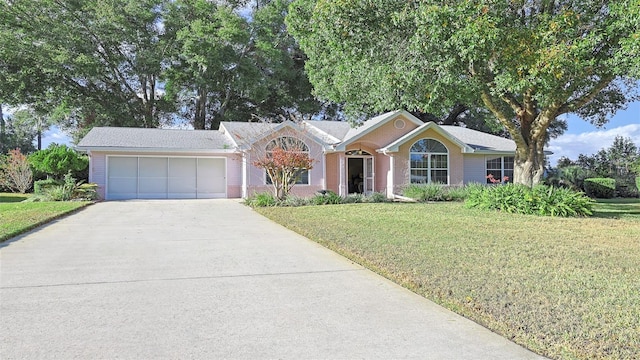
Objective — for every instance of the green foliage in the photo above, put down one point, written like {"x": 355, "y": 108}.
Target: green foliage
{"x": 58, "y": 160}
{"x": 329, "y": 198}
{"x": 525, "y": 62}
{"x": 65, "y": 190}
{"x": 435, "y": 192}
{"x": 261, "y": 200}
{"x": 603, "y": 188}
{"x": 40, "y": 187}
{"x": 424, "y": 192}
{"x": 377, "y": 197}
{"x": 90, "y": 62}
{"x": 17, "y": 132}
{"x": 540, "y": 200}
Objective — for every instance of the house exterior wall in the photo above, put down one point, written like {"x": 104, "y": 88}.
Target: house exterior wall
{"x": 333, "y": 172}
{"x": 378, "y": 138}
{"x": 402, "y": 166}
{"x": 98, "y": 171}
{"x": 475, "y": 169}
{"x": 98, "y": 168}
{"x": 256, "y": 177}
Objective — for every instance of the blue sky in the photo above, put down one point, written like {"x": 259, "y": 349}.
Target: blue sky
{"x": 583, "y": 138}
{"x": 580, "y": 138}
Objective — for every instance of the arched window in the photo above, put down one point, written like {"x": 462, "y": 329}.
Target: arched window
{"x": 289, "y": 144}
{"x": 429, "y": 162}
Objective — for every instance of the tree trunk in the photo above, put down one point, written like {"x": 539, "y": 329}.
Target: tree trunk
{"x": 528, "y": 167}
{"x": 200, "y": 113}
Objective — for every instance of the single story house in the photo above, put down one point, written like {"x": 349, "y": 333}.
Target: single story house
{"x": 384, "y": 154}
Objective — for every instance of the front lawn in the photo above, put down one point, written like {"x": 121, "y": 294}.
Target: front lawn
{"x": 19, "y": 217}
{"x": 563, "y": 287}
{"x": 618, "y": 208}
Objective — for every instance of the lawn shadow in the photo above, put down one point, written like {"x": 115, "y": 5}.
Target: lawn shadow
{"x": 4, "y": 198}
{"x": 628, "y": 208}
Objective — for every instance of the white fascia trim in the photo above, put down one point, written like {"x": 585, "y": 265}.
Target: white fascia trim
{"x": 155, "y": 150}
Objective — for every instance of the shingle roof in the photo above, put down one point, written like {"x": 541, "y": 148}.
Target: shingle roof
{"x": 238, "y": 134}
{"x": 480, "y": 141}
{"x": 337, "y": 130}
{"x": 243, "y": 132}
{"x": 121, "y": 137}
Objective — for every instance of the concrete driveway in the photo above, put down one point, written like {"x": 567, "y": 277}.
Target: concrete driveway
{"x": 210, "y": 279}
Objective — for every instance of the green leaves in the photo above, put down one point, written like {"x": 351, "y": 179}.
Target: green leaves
{"x": 540, "y": 200}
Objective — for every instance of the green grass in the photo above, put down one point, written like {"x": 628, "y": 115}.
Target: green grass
{"x": 11, "y": 197}
{"x": 618, "y": 208}
{"x": 19, "y": 217}
{"x": 563, "y": 287}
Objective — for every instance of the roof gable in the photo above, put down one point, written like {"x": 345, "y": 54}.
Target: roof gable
{"x": 372, "y": 124}
{"x": 244, "y": 135}
{"x": 394, "y": 146}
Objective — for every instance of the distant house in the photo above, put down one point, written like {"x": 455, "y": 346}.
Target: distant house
{"x": 383, "y": 155}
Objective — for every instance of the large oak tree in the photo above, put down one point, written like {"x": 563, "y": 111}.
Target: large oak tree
{"x": 526, "y": 61}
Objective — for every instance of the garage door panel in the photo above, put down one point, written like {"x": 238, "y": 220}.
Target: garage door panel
{"x": 182, "y": 178}
{"x": 166, "y": 177}
{"x": 153, "y": 167}
{"x": 212, "y": 180}
{"x": 123, "y": 177}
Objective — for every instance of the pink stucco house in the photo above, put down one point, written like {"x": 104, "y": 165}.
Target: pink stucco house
{"x": 384, "y": 154}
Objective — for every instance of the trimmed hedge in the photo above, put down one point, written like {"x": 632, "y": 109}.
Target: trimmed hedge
{"x": 40, "y": 187}
{"x": 603, "y": 188}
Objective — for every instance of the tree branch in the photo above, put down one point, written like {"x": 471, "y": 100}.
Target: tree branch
{"x": 575, "y": 104}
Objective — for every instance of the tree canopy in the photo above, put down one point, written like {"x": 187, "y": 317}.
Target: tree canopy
{"x": 527, "y": 62}
{"x": 147, "y": 63}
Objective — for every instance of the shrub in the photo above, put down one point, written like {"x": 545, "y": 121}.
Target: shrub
{"x": 15, "y": 172}
{"x": 456, "y": 193}
{"x": 58, "y": 160}
{"x": 69, "y": 189}
{"x": 328, "y": 198}
{"x": 292, "y": 200}
{"x": 435, "y": 192}
{"x": 377, "y": 197}
{"x": 539, "y": 200}
{"x": 261, "y": 200}
{"x": 40, "y": 187}
{"x": 425, "y": 192}
{"x": 354, "y": 198}
{"x": 603, "y": 188}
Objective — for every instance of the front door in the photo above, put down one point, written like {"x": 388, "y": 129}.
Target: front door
{"x": 360, "y": 174}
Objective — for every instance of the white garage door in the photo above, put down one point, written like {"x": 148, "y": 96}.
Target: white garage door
{"x": 137, "y": 177}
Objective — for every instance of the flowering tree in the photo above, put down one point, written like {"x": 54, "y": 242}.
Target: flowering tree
{"x": 285, "y": 160}
{"x": 15, "y": 172}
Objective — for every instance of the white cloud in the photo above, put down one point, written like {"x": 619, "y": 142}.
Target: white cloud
{"x": 588, "y": 143}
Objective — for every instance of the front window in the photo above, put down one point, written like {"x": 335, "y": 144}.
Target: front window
{"x": 429, "y": 162}
{"x": 287, "y": 143}
{"x": 499, "y": 169}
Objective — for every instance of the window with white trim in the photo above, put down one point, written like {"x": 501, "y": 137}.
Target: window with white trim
{"x": 429, "y": 162}
{"x": 288, "y": 143}
{"x": 499, "y": 169}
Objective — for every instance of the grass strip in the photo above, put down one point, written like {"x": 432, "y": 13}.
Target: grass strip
{"x": 562, "y": 287}
{"x": 19, "y": 217}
